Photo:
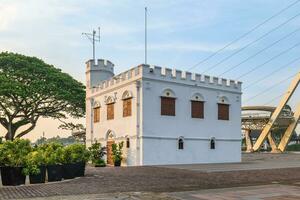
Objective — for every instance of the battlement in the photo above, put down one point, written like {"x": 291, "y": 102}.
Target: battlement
{"x": 100, "y": 64}
{"x": 171, "y": 75}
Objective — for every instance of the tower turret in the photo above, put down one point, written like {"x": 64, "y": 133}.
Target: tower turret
{"x": 98, "y": 72}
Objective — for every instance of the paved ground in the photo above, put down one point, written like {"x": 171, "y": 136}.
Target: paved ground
{"x": 251, "y": 161}
{"x": 263, "y": 192}
{"x": 172, "y": 182}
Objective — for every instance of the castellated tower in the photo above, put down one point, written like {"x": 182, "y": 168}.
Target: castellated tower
{"x": 98, "y": 72}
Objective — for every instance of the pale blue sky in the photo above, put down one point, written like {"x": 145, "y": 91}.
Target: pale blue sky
{"x": 180, "y": 34}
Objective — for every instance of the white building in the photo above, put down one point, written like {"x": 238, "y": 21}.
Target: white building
{"x": 164, "y": 116}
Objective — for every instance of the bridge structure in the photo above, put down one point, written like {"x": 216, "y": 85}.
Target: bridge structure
{"x": 267, "y": 119}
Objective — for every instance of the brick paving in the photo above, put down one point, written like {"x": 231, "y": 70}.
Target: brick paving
{"x": 150, "y": 179}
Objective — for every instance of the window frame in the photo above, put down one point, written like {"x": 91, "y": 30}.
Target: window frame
{"x": 180, "y": 144}
{"x": 193, "y": 114}
{"x": 127, "y": 109}
{"x": 221, "y": 115}
{"x": 96, "y": 114}
{"x": 167, "y": 109}
{"x": 108, "y": 115}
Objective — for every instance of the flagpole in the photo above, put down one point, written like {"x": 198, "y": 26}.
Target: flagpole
{"x": 145, "y": 35}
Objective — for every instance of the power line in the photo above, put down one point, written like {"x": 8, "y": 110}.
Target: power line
{"x": 245, "y": 34}
{"x": 249, "y": 44}
{"x": 269, "y": 88}
{"x": 272, "y": 58}
{"x": 273, "y": 72}
{"x": 259, "y": 52}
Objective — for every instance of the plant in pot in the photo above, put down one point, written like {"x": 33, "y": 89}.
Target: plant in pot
{"x": 36, "y": 166}
{"x": 117, "y": 153}
{"x": 12, "y": 160}
{"x": 53, "y": 152}
{"x": 74, "y": 158}
{"x": 97, "y": 153}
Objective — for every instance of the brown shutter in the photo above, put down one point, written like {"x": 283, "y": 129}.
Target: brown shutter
{"x": 168, "y": 106}
{"x": 110, "y": 111}
{"x": 223, "y": 111}
{"x": 197, "y": 109}
{"x": 97, "y": 114}
{"x": 126, "y": 107}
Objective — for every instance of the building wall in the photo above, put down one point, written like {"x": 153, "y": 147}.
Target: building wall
{"x": 161, "y": 133}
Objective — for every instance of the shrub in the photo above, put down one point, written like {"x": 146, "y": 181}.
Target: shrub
{"x": 53, "y": 153}
{"x": 34, "y": 160}
{"x": 117, "y": 151}
{"x": 13, "y": 153}
{"x": 75, "y": 153}
{"x": 96, "y": 154}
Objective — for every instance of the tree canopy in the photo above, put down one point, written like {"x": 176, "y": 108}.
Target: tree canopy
{"x": 31, "y": 89}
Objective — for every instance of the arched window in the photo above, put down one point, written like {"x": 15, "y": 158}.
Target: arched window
{"x": 127, "y": 103}
{"x": 96, "y": 111}
{"x": 197, "y": 106}
{"x": 180, "y": 143}
{"x": 110, "y": 101}
{"x": 212, "y": 143}
{"x": 127, "y": 143}
{"x": 168, "y": 103}
{"x": 223, "y": 108}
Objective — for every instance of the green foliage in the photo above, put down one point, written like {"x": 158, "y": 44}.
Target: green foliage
{"x": 99, "y": 163}
{"x": 293, "y": 147}
{"x": 53, "y": 153}
{"x": 117, "y": 151}
{"x": 34, "y": 160}
{"x": 96, "y": 153}
{"x": 13, "y": 153}
{"x": 75, "y": 153}
{"x": 57, "y": 139}
{"x": 31, "y": 89}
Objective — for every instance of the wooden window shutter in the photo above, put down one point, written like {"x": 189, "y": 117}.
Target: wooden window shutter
{"x": 223, "y": 111}
{"x": 110, "y": 111}
{"x": 197, "y": 109}
{"x": 97, "y": 114}
{"x": 127, "y": 107}
{"x": 168, "y": 106}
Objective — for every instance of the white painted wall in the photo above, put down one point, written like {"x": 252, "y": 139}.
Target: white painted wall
{"x": 153, "y": 138}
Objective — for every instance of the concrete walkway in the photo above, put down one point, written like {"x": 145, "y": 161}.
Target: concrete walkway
{"x": 251, "y": 161}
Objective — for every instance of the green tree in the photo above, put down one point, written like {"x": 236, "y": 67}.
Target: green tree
{"x": 31, "y": 89}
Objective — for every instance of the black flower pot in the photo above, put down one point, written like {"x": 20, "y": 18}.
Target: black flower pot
{"x": 80, "y": 169}
{"x": 69, "y": 170}
{"x": 54, "y": 172}
{"x": 12, "y": 176}
{"x": 38, "y": 178}
{"x": 117, "y": 163}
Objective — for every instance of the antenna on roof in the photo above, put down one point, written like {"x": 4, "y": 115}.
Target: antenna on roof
{"x": 93, "y": 38}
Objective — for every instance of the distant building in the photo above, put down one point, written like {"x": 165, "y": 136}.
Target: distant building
{"x": 164, "y": 116}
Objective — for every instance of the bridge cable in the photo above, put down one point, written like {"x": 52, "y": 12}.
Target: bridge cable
{"x": 273, "y": 72}
{"x": 249, "y": 44}
{"x": 245, "y": 34}
{"x": 259, "y": 52}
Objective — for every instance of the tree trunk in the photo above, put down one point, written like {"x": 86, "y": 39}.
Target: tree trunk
{"x": 10, "y": 132}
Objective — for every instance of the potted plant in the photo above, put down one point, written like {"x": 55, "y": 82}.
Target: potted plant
{"x": 96, "y": 154}
{"x": 53, "y": 152}
{"x": 117, "y": 153}
{"x": 36, "y": 166}
{"x": 74, "y": 158}
{"x": 12, "y": 160}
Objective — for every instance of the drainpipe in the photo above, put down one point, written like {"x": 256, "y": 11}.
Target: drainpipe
{"x": 92, "y": 121}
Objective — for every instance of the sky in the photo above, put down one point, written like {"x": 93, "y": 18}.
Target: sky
{"x": 181, "y": 33}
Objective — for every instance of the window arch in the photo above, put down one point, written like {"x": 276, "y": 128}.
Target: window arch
{"x": 212, "y": 143}
{"x": 168, "y": 100}
{"x": 197, "y": 106}
{"x": 127, "y": 103}
{"x": 110, "y": 109}
{"x": 180, "y": 143}
{"x": 96, "y": 111}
